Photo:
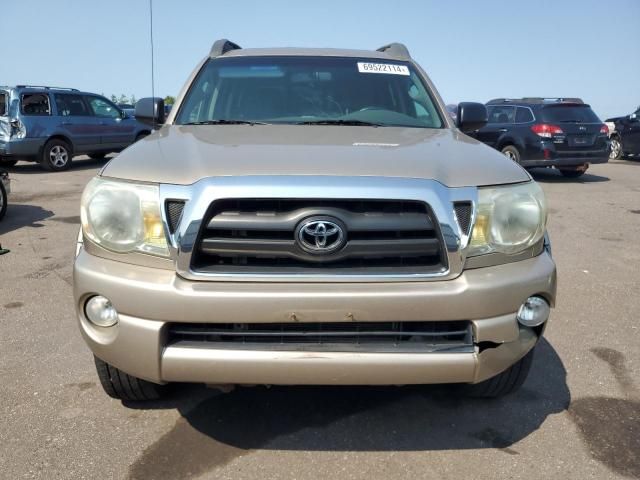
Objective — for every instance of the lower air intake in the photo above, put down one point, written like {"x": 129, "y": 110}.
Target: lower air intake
{"x": 416, "y": 337}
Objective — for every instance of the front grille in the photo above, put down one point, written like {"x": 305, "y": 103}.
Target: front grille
{"x": 259, "y": 236}
{"x": 445, "y": 336}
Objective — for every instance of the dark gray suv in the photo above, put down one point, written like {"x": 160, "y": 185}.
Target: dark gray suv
{"x": 50, "y": 125}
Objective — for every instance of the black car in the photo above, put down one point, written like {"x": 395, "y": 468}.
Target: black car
{"x": 546, "y": 132}
{"x": 625, "y": 138}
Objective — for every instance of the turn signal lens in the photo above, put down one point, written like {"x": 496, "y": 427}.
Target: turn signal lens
{"x": 479, "y": 242}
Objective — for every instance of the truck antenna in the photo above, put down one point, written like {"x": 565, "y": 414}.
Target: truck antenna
{"x": 153, "y": 93}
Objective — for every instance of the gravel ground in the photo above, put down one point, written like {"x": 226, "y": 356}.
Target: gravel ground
{"x": 577, "y": 416}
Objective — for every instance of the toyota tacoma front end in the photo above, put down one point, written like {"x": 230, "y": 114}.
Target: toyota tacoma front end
{"x": 312, "y": 217}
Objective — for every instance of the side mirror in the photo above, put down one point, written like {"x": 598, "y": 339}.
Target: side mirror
{"x": 150, "y": 111}
{"x": 471, "y": 116}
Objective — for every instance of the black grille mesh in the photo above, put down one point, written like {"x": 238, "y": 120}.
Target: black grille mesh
{"x": 174, "y": 212}
{"x": 463, "y": 214}
{"x": 329, "y": 336}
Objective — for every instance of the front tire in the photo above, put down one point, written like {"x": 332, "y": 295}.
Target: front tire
{"x": 511, "y": 153}
{"x": 504, "y": 383}
{"x": 616, "y": 149}
{"x": 123, "y": 386}
{"x": 56, "y": 155}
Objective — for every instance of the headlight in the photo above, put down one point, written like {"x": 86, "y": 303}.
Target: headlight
{"x": 509, "y": 219}
{"x": 123, "y": 217}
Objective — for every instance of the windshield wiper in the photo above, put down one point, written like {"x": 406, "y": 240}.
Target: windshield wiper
{"x": 226, "y": 122}
{"x": 340, "y": 122}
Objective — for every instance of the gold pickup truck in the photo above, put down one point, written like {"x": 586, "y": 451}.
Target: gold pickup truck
{"x": 312, "y": 216}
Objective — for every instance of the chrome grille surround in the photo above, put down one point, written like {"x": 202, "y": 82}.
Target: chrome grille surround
{"x": 201, "y": 194}
{"x": 263, "y": 236}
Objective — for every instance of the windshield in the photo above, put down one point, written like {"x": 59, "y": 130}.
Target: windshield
{"x": 569, "y": 114}
{"x": 309, "y": 90}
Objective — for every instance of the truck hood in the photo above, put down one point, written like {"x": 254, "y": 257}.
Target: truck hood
{"x": 179, "y": 154}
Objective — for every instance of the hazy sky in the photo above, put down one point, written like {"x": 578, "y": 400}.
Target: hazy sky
{"x": 473, "y": 50}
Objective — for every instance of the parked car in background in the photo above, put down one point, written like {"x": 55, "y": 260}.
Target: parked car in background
{"x": 452, "y": 109}
{"x": 624, "y": 133}
{"x": 127, "y": 108}
{"x": 546, "y": 132}
{"x": 51, "y": 125}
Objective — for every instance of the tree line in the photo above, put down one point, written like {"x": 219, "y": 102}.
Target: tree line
{"x": 131, "y": 100}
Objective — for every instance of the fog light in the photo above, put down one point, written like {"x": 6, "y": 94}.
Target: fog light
{"x": 533, "y": 312}
{"x": 100, "y": 312}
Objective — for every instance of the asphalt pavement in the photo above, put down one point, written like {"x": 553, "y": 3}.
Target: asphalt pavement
{"x": 576, "y": 417}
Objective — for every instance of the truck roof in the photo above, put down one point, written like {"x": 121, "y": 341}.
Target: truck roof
{"x": 226, "y": 48}
{"x": 308, "y": 52}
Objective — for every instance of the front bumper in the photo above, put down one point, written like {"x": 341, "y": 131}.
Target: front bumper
{"x": 148, "y": 298}
{"x": 563, "y": 162}
{"x": 22, "y": 147}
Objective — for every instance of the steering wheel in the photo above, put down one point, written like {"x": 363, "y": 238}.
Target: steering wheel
{"x": 311, "y": 107}
{"x": 337, "y": 107}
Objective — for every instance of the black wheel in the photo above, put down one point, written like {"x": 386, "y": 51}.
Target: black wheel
{"x": 616, "y": 149}
{"x": 504, "y": 383}
{"x": 122, "y": 386}
{"x": 572, "y": 173}
{"x": 511, "y": 152}
{"x": 8, "y": 162}
{"x": 97, "y": 156}
{"x": 56, "y": 155}
{"x": 3, "y": 200}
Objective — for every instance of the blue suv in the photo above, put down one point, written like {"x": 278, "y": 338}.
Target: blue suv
{"x": 51, "y": 125}
{"x": 563, "y": 133}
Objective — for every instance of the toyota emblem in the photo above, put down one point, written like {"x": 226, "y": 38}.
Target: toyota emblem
{"x": 321, "y": 236}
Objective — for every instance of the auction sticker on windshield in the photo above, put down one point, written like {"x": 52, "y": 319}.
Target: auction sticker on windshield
{"x": 388, "y": 68}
